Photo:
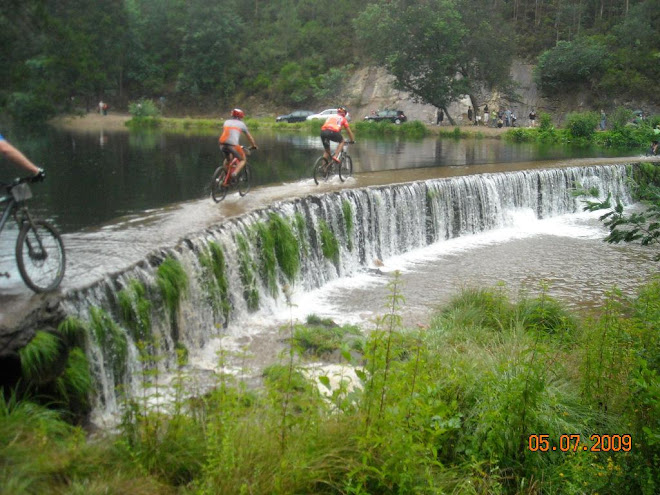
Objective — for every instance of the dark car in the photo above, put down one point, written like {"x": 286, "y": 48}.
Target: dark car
{"x": 394, "y": 116}
{"x": 297, "y": 116}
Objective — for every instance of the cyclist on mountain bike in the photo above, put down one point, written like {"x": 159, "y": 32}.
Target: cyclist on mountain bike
{"x": 331, "y": 131}
{"x": 230, "y": 138}
{"x": 15, "y": 155}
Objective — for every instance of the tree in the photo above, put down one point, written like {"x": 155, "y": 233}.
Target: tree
{"x": 211, "y": 49}
{"x": 438, "y": 50}
{"x": 639, "y": 226}
{"x": 571, "y": 64}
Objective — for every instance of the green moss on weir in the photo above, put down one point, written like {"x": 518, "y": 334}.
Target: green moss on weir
{"x": 214, "y": 279}
{"x": 136, "y": 310}
{"x": 347, "y": 210}
{"x": 173, "y": 282}
{"x": 329, "y": 244}
{"x": 111, "y": 339}
{"x": 287, "y": 249}
{"x": 55, "y": 372}
{"x": 246, "y": 268}
{"x": 301, "y": 228}
{"x": 40, "y": 357}
{"x": 267, "y": 258}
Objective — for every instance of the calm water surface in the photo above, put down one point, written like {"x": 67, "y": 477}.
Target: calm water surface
{"x": 96, "y": 177}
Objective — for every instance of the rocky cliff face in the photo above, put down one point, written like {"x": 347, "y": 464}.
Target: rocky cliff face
{"x": 372, "y": 88}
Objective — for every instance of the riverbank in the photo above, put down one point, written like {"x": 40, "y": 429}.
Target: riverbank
{"x": 117, "y": 121}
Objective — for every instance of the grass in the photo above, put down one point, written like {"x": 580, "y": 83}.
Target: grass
{"x": 446, "y": 409}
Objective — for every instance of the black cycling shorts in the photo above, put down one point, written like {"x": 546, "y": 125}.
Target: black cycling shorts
{"x": 235, "y": 150}
{"x": 327, "y": 136}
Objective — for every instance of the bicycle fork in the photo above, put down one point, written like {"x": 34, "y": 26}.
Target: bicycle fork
{"x": 36, "y": 252}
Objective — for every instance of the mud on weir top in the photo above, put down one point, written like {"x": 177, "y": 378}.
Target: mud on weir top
{"x": 181, "y": 296}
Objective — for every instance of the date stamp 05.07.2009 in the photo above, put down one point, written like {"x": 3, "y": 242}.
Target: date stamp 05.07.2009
{"x": 577, "y": 443}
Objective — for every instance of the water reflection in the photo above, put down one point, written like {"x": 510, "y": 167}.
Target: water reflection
{"x": 94, "y": 177}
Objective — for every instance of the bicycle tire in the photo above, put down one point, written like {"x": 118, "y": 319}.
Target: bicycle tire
{"x": 218, "y": 188}
{"x": 40, "y": 256}
{"x": 244, "y": 181}
{"x": 346, "y": 168}
{"x": 321, "y": 171}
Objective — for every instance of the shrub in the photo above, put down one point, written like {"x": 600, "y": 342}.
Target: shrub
{"x": 143, "y": 108}
{"x": 582, "y": 125}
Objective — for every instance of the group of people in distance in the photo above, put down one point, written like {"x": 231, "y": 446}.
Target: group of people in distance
{"x": 502, "y": 118}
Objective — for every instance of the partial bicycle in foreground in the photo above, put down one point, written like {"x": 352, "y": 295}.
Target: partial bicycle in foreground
{"x": 222, "y": 180}
{"x": 40, "y": 254}
{"x": 325, "y": 169}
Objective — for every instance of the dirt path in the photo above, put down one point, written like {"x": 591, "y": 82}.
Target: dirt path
{"x": 92, "y": 121}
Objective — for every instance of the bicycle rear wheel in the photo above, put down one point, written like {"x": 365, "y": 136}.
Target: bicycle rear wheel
{"x": 218, "y": 188}
{"x": 321, "y": 170}
{"x": 244, "y": 181}
{"x": 40, "y": 256}
{"x": 346, "y": 168}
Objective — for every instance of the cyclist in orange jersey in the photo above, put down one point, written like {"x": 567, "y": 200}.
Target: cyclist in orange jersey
{"x": 230, "y": 138}
{"x": 331, "y": 131}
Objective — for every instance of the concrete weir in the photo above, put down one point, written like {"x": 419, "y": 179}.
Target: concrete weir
{"x": 228, "y": 261}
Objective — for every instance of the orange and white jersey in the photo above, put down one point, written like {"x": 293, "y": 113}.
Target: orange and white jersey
{"x": 335, "y": 123}
{"x": 231, "y": 131}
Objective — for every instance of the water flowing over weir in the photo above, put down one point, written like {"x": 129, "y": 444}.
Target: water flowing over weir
{"x": 241, "y": 264}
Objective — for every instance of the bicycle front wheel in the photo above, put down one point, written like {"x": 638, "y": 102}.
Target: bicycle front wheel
{"x": 321, "y": 170}
{"x": 218, "y": 188}
{"x": 244, "y": 181}
{"x": 346, "y": 168}
{"x": 40, "y": 256}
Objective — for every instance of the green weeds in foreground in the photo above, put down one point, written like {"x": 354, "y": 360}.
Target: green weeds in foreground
{"x": 445, "y": 409}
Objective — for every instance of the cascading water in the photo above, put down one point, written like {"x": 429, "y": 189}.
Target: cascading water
{"x": 181, "y": 297}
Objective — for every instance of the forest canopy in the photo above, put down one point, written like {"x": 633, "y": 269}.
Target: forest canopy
{"x": 64, "y": 53}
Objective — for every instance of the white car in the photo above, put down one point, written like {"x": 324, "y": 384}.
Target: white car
{"x": 326, "y": 113}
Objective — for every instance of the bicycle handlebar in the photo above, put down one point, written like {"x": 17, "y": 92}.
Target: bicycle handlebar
{"x": 41, "y": 175}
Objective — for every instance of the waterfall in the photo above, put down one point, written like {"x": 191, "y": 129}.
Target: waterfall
{"x": 232, "y": 268}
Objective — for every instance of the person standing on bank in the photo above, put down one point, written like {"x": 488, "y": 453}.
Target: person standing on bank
{"x": 532, "y": 118}
{"x": 486, "y": 115}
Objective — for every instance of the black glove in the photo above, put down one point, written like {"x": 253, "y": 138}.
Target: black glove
{"x": 39, "y": 176}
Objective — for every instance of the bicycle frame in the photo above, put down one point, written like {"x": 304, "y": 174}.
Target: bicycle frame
{"x": 15, "y": 206}
{"x": 229, "y": 167}
{"x": 231, "y": 161}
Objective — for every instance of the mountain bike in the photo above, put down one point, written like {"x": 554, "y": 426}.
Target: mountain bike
{"x": 222, "y": 181}
{"x": 324, "y": 170}
{"x": 40, "y": 254}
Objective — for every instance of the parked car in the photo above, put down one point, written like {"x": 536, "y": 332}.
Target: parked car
{"x": 326, "y": 113}
{"x": 295, "y": 116}
{"x": 394, "y": 116}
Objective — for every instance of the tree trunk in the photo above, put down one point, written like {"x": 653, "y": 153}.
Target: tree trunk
{"x": 451, "y": 121}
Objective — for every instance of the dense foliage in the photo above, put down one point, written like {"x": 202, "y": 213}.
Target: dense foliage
{"x": 472, "y": 404}
{"x": 70, "y": 53}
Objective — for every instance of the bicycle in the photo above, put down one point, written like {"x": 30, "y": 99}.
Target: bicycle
{"x": 222, "y": 181}
{"x": 40, "y": 254}
{"x": 323, "y": 170}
